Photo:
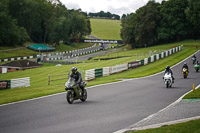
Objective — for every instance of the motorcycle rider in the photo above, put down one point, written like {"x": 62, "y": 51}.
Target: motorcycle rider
{"x": 185, "y": 66}
{"x": 78, "y": 77}
{"x": 169, "y": 70}
{"x": 194, "y": 58}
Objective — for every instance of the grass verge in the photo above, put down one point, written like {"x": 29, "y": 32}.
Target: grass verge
{"x": 193, "y": 95}
{"x": 186, "y": 127}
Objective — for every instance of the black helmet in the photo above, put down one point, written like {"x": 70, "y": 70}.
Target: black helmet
{"x": 167, "y": 67}
{"x": 74, "y": 70}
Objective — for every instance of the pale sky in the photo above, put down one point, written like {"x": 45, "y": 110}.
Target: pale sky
{"x": 113, "y": 6}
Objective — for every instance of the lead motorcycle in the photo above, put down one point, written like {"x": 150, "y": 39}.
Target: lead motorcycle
{"x": 168, "y": 79}
{"x": 193, "y": 60}
{"x": 74, "y": 92}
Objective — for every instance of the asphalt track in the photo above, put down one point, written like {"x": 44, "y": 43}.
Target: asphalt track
{"x": 108, "y": 108}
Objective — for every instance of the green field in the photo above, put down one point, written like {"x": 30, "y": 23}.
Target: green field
{"x": 106, "y": 28}
{"x": 39, "y": 76}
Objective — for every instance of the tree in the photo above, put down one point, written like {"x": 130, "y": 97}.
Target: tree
{"x": 10, "y": 32}
{"x": 148, "y": 18}
{"x": 140, "y": 29}
{"x": 193, "y": 16}
{"x": 128, "y": 29}
{"x": 173, "y": 25}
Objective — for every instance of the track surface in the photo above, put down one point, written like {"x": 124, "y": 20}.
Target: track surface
{"x": 108, "y": 107}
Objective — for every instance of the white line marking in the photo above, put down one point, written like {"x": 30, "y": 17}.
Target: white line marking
{"x": 172, "y": 104}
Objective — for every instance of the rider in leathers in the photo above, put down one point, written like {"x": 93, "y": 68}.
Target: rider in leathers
{"x": 185, "y": 66}
{"x": 78, "y": 77}
{"x": 168, "y": 69}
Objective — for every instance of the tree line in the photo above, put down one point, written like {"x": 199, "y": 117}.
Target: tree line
{"x": 103, "y": 14}
{"x": 42, "y": 21}
{"x": 157, "y": 23}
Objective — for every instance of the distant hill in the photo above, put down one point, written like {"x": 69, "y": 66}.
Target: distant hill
{"x": 106, "y": 28}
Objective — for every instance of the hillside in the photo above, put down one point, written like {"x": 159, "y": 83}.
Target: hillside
{"x": 106, "y": 28}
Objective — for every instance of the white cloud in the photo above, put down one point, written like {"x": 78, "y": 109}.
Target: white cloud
{"x": 113, "y": 6}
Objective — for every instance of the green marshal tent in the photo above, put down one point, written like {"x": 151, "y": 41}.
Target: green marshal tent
{"x": 40, "y": 48}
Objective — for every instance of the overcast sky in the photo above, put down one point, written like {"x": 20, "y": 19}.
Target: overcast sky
{"x": 113, "y": 6}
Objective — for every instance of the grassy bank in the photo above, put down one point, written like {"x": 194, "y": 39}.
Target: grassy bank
{"x": 39, "y": 76}
{"x": 186, "y": 127}
{"x": 106, "y": 29}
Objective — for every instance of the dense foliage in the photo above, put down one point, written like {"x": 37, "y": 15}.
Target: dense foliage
{"x": 154, "y": 23}
{"x": 103, "y": 14}
{"x": 46, "y": 21}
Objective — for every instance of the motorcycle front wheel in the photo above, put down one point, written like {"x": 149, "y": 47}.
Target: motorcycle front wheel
{"x": 69, "y": 97}
{"x": 84, "y": 97}
{"x": 185, "y": 76}
{"x": 167, "y": 85}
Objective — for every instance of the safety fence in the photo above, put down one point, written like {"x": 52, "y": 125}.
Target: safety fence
{"x": 18, "y": 58}
{"x": 60, "y": 79}
{"x": 59, "y": 55}
{"x": 15, "y": 83}
{"x": 106, "y": 71}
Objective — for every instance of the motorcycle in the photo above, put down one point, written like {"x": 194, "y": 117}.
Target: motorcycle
{"x": 197, "y": 66}
{"x": 168, "y": 80}
{"x": 74, "y": 92}
{"x": 185, "y": 73}
{"x": 193, "y": 60}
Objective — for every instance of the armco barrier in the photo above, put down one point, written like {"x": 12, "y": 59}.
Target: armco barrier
{"x": 21, "y": 82}
{"x": 118, "y": 68}
{"x": 106, "y": 71}
{"x": 142, "y": 62}
{"x": 98, "y": 72}
{"x": 94, "y": 73}
{"x": 4, "y": 84}
{"x": 146, "y": 60}
{"x": 133, "y": 64}
{"x": 14, "y": 83}
{"x": 90, "y": 74}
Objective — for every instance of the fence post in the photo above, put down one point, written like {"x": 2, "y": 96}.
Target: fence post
{"x": 49, "y": 79}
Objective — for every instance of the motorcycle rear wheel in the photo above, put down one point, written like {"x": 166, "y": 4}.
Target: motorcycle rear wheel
{"x": 69, "y": 97}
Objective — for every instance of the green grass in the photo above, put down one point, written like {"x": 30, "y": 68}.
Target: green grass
{"x": 193, "y": 95}
{"x": 106, "y": 28}
{"x": 186, "y": 127}
{"x": 39, "y": 76}
{"x": 63, "y": 47}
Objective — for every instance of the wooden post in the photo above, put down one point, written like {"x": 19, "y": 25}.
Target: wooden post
{"x": 49, "y": 79}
